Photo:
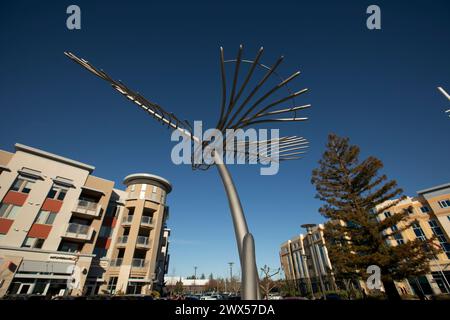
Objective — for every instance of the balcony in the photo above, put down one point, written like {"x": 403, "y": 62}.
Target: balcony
{"x": 143, "y": 242}
{"x": 87, "y": 209}
{"x": 79, "y": 232}
{"x": 147, "y": 222}
{"x": 122, "y": 241}
{"x": 138, "y": 263}
{"x": 126, "y": 221}
{"x": 116, "y": 262}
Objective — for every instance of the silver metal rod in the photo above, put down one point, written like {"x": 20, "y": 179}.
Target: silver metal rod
{"x": 444, "y": 93}
{"x": 249, "y": 281}
{"x": 253, "y": 92}
{"x": 224, "y": 88}
{"x": 249, "y": 272}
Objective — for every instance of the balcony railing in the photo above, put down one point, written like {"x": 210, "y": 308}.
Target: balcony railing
{"x": 116, "y": 262}
{"x": 138, "y": 263}
{"x": 127, "y": 220}
{"x": 79, "y": 231}
{"x": 87, "y": 208}
{"x": 146, "y": 220}
{"x": 122, "y": 240}
{"x": 142, "y": 241}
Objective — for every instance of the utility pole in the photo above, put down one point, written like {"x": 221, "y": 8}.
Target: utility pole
{"x": 195, "y": 275}
{"x": 231, "y": 274}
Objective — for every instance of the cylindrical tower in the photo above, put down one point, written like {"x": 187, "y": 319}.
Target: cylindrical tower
{"x": 140, "y": 233}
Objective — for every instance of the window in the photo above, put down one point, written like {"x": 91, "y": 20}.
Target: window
{"x": 69, "y": 247}
{"x": 57, "y": 192}
{"x": 22, "y": 184}
{"x": 410, "y": 210}
{"x": 112, "y": 283}
{"x": 61, "y": 194}
{"x": 398, "y": 237}
{"x": 34, "y": 243}
{"x": 418, "y": 231}
{"x": 133, "y": 187}
{"x": 8, "y": 211}
{"x": 142, "y": 193}
{"x": 440, "y": 235}
{"x": 444, "y": 203}
{"x": 424, "y": 209}
{"x": 387, "y": 214}
{"x": 45, "y": 217}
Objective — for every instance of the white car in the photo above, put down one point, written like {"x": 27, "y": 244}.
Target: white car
{"x": 212, "y": 297}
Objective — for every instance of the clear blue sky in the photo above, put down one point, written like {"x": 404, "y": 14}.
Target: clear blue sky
{"x": 377, "y": 87}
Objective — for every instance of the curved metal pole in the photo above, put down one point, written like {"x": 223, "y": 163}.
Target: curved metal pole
{"x": 250, "y": 281}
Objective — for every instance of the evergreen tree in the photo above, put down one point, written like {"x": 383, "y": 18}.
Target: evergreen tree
{"x": 352, "y": 191}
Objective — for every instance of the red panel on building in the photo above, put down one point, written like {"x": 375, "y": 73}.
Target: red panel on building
{"x": 5, "y": 224}
{"x": 108, "y": 243}
{"x": 40, "y": 231}
{"x": 52, "y": 205}
{"x": 114, "y": 221}
{"x": 15, "y": 198}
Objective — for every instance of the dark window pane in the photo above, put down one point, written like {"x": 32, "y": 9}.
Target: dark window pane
{"x": 61, "y": 195}
{"x": 51, "y": 218}
{"x": 39, "y": 243}
{"x": 17, "y": 184}
{"x": 52, "y": 194}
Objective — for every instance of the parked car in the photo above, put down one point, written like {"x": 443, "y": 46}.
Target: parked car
{"x": 211, "y": 297}
{"x": 99, "y": 297}
{"x": 273, "y": 296}
{"x": 295, "y": 298}
{"x": 132, "y": 297}
{"x": 332, "y": 296}
{"x": 69, "y": 298}
{"x": 25, "y": 297}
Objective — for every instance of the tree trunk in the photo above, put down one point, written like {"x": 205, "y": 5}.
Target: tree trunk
{"x": 391, "y": 290}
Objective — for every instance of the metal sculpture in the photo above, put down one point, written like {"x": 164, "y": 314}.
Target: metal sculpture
{"x": 445, "y": 95}
{"x": 234, "y": 115}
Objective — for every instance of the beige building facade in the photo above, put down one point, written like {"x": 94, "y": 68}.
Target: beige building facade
{"x": 65, "y": 231}
{"x": 305, "y": 262}
{"x": 429, "y": 212}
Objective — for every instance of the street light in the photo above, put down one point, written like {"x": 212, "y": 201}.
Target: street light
{"x": 195, "y": 276}
{"x": 234, "y": 115}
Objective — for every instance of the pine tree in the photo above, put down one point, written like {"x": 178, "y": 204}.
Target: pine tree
{"x": 352, "y": 191}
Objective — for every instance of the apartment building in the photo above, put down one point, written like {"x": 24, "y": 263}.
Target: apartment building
{"x": 305, "y": 262}
{"x": 66, "y": 231}
{"x": 429, "y": 212}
